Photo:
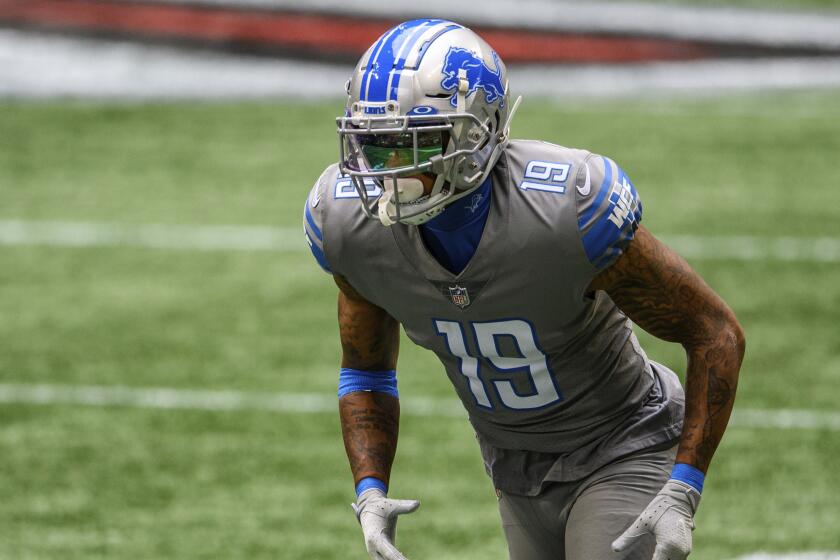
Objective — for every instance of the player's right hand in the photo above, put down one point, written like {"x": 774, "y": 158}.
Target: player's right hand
{"x": 378, "y": 517}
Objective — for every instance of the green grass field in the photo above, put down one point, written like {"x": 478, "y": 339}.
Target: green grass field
{"x": 133, "y": 482}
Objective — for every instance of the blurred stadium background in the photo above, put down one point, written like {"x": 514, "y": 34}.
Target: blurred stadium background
{"x": 168, "y": 347}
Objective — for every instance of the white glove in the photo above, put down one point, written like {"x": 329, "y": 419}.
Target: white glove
{"x": 670, "y": 518}
{"x": 378, "y": 517}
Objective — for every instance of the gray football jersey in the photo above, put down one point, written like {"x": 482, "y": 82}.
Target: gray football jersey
{"x": 554, "y": 381}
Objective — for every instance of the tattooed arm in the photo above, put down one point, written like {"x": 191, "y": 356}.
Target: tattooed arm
{"x": 660, "y": 292}
{"x": 369, "y": 420}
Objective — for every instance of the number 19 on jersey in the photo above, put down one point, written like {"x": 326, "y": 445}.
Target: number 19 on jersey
{"x": 531, "y": 361}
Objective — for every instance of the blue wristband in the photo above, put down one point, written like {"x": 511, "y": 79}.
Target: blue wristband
{"x": 692, "y": 476}
{"x": 352, "y": 380}
{"x": 370, "y": 482}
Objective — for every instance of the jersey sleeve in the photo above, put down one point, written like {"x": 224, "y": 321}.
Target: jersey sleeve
{"x": 313, "y": 223}
{"x": 608, "y": 210}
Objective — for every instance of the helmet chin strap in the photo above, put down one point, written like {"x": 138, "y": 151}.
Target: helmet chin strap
{"x": 408, "y": 189}
{"x": 503, "y": 137}
{"x": 511, "y": 114}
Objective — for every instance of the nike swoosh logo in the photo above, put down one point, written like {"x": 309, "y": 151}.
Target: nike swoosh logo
{"x": 584, "y": 190}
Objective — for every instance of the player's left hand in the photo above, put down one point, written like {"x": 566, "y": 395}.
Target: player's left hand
{"x": 378, "y": 517}
{"x": 670, "y": 518}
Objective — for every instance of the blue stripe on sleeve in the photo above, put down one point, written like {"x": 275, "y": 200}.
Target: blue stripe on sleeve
{"x": 607, "y": 257}
{"x": 352, "y": 380}
{"x": 603, "y": 235}
{"x": 622, "y": 176}
{"x": 602, "y": 192}
{"x": 318, "y": 253}
{"x": 311, "y": 221}
{"x": 604, "y": 241}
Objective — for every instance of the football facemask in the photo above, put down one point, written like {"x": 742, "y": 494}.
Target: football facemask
{"x": 390, "y": 152}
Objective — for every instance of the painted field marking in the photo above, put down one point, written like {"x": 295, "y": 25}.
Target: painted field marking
{"x": 752, "y": 248}
{"x": 218, "y": 400}
{"x": 210, "y": 400}
{"x": 266, "y": 238}
{"x": 152, "y": 236}
{"x": 792, "y": 556}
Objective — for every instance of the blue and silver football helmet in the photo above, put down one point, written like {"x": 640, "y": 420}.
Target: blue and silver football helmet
{"x": 429, "y": 96}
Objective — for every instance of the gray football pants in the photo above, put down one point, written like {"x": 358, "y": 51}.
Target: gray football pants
{"x": 579, "y": 520}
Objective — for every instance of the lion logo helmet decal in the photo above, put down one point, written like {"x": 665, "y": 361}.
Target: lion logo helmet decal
{"x": 479, "y": 75}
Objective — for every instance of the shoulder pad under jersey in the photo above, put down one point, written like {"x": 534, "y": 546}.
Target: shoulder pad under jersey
{"x": 313, "y": 221}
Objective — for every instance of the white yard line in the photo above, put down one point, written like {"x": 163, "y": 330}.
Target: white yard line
{"x": 181, "y": 399}
{"x": 791, "y": 556}
{"x": 265, "y": 238}
{"x": 752, "y": 248}
{"x": 188, "y": 399}
{"x": 152, "y": 236}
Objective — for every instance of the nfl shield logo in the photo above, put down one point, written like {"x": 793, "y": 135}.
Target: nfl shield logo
{"x": 459, "y": 296}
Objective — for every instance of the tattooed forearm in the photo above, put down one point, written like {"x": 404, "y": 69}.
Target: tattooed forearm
{"x": 711, "y": 380}
{"x": 369, "y": 420}
{"x": 369, "y": 336}
{"x": 370, "y": 424}
{"x": 660, "y": 292}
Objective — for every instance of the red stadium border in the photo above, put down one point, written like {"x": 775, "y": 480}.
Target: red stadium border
{"x": 323, "y": 36}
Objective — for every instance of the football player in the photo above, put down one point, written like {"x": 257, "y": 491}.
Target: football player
{"x": 521, "y": 265}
